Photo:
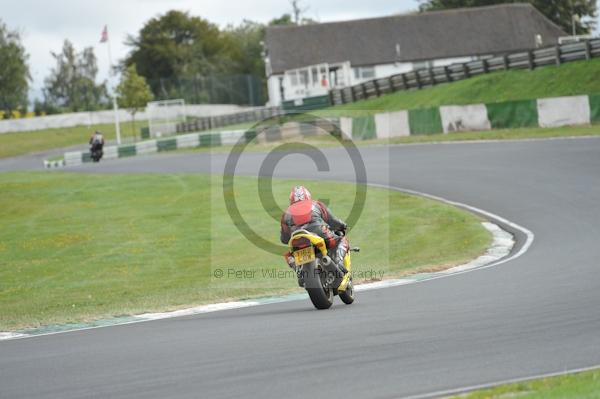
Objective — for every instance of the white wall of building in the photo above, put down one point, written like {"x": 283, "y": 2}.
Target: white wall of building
{"x": 380, "y": 71}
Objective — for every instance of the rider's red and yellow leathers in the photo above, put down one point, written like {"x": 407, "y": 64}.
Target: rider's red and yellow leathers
{"x": 315, "y": 217}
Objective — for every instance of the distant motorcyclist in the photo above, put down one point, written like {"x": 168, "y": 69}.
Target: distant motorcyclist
{"x": 315, "y": 217}
{"x": 96, "y": 145}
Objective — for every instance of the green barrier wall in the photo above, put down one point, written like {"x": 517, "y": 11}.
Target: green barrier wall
{"x": 595, "y": 108}
{"x": 425, "y": 121}
{"x": 166, "y": 145}
{"x": 363, "y": 128}
{"x": 513, "y": 114}
{"x": 210, "y": 140}
{"x": 249, "y": 135}
{"x": 307, "y": 104}
{"x": 126, "y": 151}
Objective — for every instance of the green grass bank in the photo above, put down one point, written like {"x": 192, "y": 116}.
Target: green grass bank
{"x": 77, "y": 247}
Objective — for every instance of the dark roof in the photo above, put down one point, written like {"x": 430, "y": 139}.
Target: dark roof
{"x": 425, "y": 36}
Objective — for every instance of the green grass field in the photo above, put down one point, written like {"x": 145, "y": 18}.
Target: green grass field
{"x": 574, "y": 78}
{"x": 77, "y": 247}
{"x": 580, "y": 386}
{"x": 13, "y": 144}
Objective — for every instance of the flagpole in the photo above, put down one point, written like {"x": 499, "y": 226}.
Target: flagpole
{"x": 114, "y": 97}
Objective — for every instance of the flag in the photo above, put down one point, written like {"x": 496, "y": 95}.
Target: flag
{"x": 104, "y": 37}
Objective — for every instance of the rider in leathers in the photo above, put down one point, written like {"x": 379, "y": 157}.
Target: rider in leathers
{"x": 315, "y": 217}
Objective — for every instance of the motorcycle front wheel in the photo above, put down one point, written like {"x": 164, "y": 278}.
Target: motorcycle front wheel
{"x": 321, "y": 298}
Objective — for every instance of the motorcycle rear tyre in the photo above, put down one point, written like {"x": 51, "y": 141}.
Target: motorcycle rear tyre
{"x": 320, "y": 297}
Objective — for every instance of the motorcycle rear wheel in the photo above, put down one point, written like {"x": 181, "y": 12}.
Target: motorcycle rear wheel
{"x": 321, "y": 298}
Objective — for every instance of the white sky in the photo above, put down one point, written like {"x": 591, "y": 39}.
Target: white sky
{"x": 45, "y": 24}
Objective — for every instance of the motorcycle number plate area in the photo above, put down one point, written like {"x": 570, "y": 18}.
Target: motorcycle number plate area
{"x": 304, "y": 255}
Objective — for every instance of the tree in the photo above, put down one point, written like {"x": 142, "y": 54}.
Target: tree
{"x": 14, "y": 72}
{"x": 175, "y": 45}
{"x": 244, "y": 48}
{"x": 133, "y": 93}
{"x": 284, "y": 20}
{"x": 72, "y": 83}
{"x": 560, "y": 12}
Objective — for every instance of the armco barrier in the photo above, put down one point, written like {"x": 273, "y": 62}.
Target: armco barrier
{"x": 146, "y": 147}
{"x": 546, "y": 112}
{"x": 427, "y": 77}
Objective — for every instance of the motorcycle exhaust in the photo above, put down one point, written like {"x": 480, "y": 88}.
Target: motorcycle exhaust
{"x": 329, "y": 265}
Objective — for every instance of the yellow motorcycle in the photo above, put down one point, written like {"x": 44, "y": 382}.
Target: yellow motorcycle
{"x": 322, "y": 278}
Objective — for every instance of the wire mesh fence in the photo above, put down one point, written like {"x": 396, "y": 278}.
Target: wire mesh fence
{"x": 228, "y": 89}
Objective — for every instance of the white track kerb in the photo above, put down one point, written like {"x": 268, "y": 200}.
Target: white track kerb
{"x": 498, "y": 253}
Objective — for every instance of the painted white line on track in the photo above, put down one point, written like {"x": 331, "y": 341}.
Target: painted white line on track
{"x": 214, "y": 307}
{"x": 528, "y": 233}
{"x": 474, "y": 265}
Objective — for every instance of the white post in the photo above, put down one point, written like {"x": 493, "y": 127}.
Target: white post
{"x": 114, "y": 97}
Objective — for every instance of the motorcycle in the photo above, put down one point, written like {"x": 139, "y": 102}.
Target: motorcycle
{"x": 322, "y": 278}
{"x": 96, "y": 152}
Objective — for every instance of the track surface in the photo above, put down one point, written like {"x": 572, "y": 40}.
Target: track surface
{"x": 537, "y": 314}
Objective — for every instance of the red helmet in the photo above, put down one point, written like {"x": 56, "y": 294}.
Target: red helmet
{"x": 299, "y": 193}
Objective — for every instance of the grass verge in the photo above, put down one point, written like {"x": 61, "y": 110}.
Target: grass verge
{"x": 13, "y": 144}
{"x": 79, "y": 247}
{"x": 584, "y": 385}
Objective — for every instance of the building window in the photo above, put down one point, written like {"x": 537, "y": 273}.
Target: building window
{"x": 364, "y": 72}
{"x": 421, "y": 65}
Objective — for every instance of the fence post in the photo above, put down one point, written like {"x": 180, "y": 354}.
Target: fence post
{"x": 466, "y": 70}
{"x": 363, "y": 88}
{"x": 505, "y": 62}
{"x": 352, "y": 94}
{"x": 404, "y": 82}
{"x": 392, "y": 87}
{"x": 448, "y": 74}
{"x": 558, "y": 60}
{"x": 417, "y": 79}
{"x": 485, "y": 65}
{"x": 376, "y": 85}
{"x": 588, "y": 50}
{"x": 331, "y": 98}
{"x": 431, "y": 76}
{"x": 530, "y": 60}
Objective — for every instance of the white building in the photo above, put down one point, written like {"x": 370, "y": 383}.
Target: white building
{"x": 308, "y": 60}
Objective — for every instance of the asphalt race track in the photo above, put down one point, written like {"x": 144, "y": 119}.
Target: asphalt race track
{"x": 537, "y": 314}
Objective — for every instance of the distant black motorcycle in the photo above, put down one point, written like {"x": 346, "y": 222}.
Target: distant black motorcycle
{"x": 96, "y": 152}
{"x": 96, "y": 145}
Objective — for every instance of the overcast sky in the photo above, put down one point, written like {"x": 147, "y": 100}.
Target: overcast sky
{"x": 45, "y": 24}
